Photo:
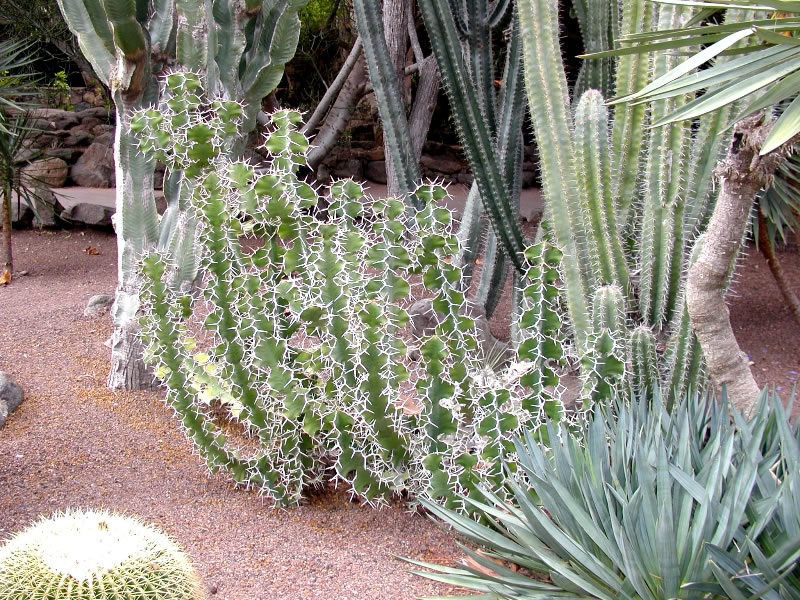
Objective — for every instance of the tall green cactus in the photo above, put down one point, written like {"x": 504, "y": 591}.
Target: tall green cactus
{"x": 624, "y": 222}
{"x": 241, "y": 50}
{"x": 489, "y": 123}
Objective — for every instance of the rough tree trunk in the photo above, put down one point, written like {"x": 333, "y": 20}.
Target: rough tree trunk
{"x": 339, "y": 116}
{"x": 742, "y": 175}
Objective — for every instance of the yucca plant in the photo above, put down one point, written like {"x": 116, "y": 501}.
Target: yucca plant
{"x": 625, "y": 506}
{"x": 14, "y": 130}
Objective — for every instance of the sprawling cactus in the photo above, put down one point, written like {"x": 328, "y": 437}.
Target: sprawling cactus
{"x": 623, "y": 221}
{"x": 95, "y": 555}
{"x": 302, "y": 342}
{"x": 241, "y": 49}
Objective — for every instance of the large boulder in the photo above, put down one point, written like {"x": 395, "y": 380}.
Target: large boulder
{"x": 11, "y": 397}
{"x": 41, "y": 209}
{"x": 89, "y": 214}
{"x": 51, "y": 172}
{"x": 95, "y": 168}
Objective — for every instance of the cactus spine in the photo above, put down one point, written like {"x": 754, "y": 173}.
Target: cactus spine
{"x": 241, "y": 53}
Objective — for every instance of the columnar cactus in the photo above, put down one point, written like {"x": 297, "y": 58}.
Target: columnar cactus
{"x": 95, "y": 555}
{"x": 488, "y": 120}
{"x": 621, "y": 219}
{"x": 241, "y": 49}
{"x": 303, "y": 344}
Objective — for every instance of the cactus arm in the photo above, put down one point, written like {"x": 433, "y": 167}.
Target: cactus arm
{"x": 457, "y": 9}
{"x": 497, "y": 12}
{"x": 546, "y": 85}
{"x": 227, "y": 53}
{"x": 382, "y": 74}
{"x": 480, "y": 63}
{"x": 161, "y": 25}
{"x": 191, "y": 50}
{"x": 628, "y": 133}
{"x": 473, "y": 130}
{"x": 642, "y": 361}
{"x": 662, "y": 221}
{"x": 594, "y": 23}
{"x": 275, "y": 37}
{"x": 129, "y": 37}
{"x": 603, "y": 366}
{"x": 88, "y": 22}
{"x": 469, "y": 233}
{"x": 594, "y": 170}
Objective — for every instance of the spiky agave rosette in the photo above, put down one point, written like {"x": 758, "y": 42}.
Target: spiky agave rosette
{"x": 95, "y": 554}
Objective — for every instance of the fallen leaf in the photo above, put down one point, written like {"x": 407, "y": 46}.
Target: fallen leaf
{"x": 5, "y": 278}
{"x": 92, "y": 250}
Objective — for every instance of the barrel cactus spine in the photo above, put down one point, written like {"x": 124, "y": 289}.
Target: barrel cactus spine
{"x": 94, "y": 555}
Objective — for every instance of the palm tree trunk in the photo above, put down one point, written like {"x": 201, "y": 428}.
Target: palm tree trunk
{"x": 768, "y": 250}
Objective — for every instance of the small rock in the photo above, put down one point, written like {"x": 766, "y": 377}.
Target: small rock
{"x": 376, "y": 171}
{"x": 98, "y": 304}
{"x": 11, "y": 397}
{"x": 90, "y": 214}
{"x": 441, "y": 164}
{"x": 107, "y": 139}
{"x": 104, "y": 114}
{"x": 77, "y": 137}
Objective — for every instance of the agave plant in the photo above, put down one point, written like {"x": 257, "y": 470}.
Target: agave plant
{"x": 626, "y": 506}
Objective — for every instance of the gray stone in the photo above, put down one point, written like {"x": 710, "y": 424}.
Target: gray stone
{"x": 349, "y": 168}
{"x": 98, "y": 305}
{"x": 89, "y": 214}
{"x": 69, "y": 121}
{"x": 95, "y": 167}
{"x": 376, "y": 171}
{"x": 441, "y": 164}
{"x": 46, "y": 208}
{"x": 99, "y": 130}
{"x": 51, "y": 172}
{"x": 68, "y": 155}
{"x": 11, "y": 397}
{"x": 81, "y": 106}
{"x": 104, "y": 114}
{"x": 107, "y": 139}
{"x": 78, "y": 137}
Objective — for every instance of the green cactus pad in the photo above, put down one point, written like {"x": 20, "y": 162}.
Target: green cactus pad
{"x": 95, "y": 555}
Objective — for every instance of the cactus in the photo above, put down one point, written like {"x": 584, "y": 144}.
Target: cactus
{"x": 302, "y": 343}
{"x": 489, "y": 124}
{"x": 94, "y": 555}
{"x": 241, "y": 53}
{"x": 610, "y": 232}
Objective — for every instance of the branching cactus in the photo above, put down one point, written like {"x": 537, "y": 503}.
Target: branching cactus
{"x": 299, "y": 337}
{"x": 624, "y": 221}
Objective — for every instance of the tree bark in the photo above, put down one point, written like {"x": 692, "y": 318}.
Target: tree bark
{"x": 742, "y": 175}
{"x": 768, "y": 251}
{"x": 339, "y": 116}
{"x": 5, "y": 219}
{"x": 395, "y": 16}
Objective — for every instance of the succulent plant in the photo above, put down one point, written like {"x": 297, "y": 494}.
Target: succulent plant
{"x": 95, "y": 555}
